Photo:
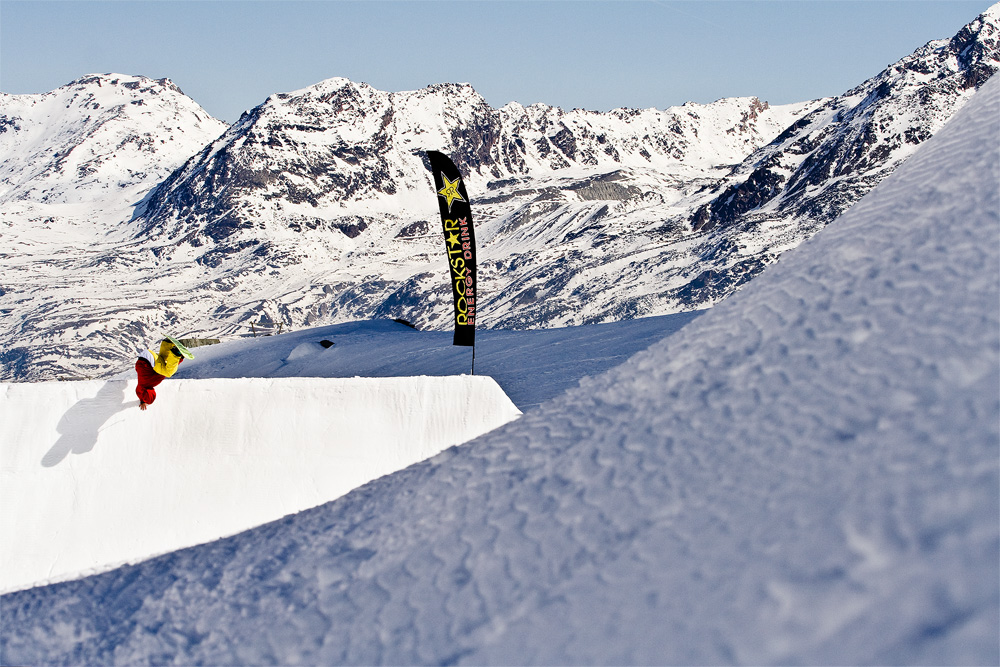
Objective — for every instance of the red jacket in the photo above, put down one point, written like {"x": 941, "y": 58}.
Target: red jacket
{"x": 148, "y": 378}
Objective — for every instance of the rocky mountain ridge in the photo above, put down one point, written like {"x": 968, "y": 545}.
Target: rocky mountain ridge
{"x": 815, "y": 169}
{"x": 317, "y": 152}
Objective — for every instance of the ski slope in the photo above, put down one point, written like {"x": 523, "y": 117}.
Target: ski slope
{"x": 531, "y": 366}
{"x": 807, "y": 473}
{"x": 88, "y": 481}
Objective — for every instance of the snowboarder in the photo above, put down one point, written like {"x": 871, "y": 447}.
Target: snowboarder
{"x": 152, "y": 370}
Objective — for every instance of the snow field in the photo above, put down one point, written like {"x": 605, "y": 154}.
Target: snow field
{"x": 89, "y": 482}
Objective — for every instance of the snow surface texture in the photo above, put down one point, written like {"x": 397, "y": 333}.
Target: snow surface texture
{"x": 89, "y": 482}
{"x": 807, "y": 473}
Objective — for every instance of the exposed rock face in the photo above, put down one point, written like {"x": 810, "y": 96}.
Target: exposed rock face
{"x": 320, "y": 150}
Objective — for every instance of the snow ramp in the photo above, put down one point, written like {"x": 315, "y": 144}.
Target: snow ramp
{"x": 89, "y": 482}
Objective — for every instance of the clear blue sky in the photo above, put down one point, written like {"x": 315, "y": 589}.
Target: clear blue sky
{"x": 230, "y": 55}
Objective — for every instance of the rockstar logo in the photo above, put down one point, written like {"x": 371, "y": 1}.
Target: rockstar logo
{"x": 450, "y": 191}
{"x": 452, "y": 240}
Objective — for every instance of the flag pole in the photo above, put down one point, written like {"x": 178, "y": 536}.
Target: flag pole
{"x": 474, "y": 340}
{"x": 460, "y": 246}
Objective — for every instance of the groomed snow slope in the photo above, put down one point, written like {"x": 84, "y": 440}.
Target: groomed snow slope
{"x": 530, "y": 366}
{"x": 88, "y": 481}
{"x": 807, "y": 473}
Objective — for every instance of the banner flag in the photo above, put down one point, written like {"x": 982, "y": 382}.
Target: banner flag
{"x": 460, "y": 244}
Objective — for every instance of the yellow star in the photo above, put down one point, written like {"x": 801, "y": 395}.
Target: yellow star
{"x": 450, "y": 191}
{"x": 452, "y": 239}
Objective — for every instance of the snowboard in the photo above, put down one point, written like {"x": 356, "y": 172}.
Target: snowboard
{"x": 186, "y": 353}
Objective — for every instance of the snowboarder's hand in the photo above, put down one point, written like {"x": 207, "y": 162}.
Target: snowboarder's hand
{"x": 142, "y": 406}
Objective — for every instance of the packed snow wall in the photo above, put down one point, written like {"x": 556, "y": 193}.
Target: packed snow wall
{"x": 88, "y": 481}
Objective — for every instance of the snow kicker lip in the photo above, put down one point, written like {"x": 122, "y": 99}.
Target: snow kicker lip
{"x": 89, "y": 482}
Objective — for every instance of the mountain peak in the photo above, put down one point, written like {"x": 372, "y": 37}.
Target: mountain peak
{"x": 99, "y": 139}
{"x": 128, "y": 81}
{"x": 333, "y": 84}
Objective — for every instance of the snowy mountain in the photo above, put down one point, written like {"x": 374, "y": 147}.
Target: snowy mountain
{"x": 342, "y": 153}
{"x": 84, "y": 153}
{"x": 808, "y": 473}
{"x": 816, "y": 169}
{"x": 73, "y": 163}
{"x": 316, "y": 207}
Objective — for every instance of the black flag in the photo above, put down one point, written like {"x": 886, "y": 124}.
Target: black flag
{"x": 459, "y": 242}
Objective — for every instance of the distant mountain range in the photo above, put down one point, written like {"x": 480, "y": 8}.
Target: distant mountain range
{"x": 126, "y": 211}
